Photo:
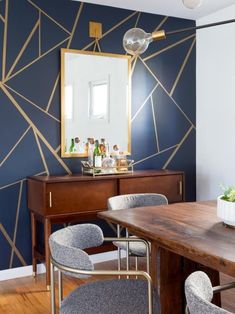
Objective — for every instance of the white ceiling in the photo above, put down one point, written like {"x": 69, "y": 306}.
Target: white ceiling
{"x": 168, "y": 7}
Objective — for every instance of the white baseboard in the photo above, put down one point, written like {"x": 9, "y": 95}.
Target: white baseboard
{"x": 28, "y": 270}
{"x": 19, "y": 272}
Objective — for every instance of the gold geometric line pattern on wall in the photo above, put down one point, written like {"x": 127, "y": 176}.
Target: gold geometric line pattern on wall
{"x": 95, "y": 45}
{"x": 133, "y": 64}
{"x": 182, "y": 67}
{"x": 23, "y": 48}
{"x": 14, "y": 147}
{"x": 111, "y": 29}
{"x": 40, "y": 34}
{"x": 137, "y": 20}
{"x": 68, "y": 45}
{"x": 161, "y": 23}
{"x": 35, "y": 60}
{"x": 16, "y": 222}
{"x": 75, "y": 24}
{"x": 170, "y": 95}
{"x": 11, "y": 184}
{"x": 32, "y": 103}
{"x": 145, "y": 101}
{"x": 17, "y": 182}
{"x": 4, "y": 53}
{"x": 53, "y": 92}
{"x": 168, "y": 47}
{"x": 41, "y": 153}
{"x": 150, "y": 95}
{"x": 161, "y": 146}
{"x": 119, "y": 24}
{"x": 2, "y": 18}
{"x": 155, "y": 123}
{"x": 12, "y": 245}
{"x": 58, "y": 149}
{"x": 53, "y": 20}
{"x": 177, "y": 148}
{"x": 14, "y": 102}
{"x": 98, "y": 45}
{"x": 165, "y": 90}
{"x": 156, "y": 154}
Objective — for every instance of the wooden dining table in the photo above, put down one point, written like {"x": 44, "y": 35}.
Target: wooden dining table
{"x": 187, "y": 237}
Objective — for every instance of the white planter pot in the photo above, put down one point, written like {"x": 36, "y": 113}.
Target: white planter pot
{"x": 226, "y": 211}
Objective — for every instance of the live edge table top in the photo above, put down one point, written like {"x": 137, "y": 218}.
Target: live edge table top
{"x": 192, "y": 230}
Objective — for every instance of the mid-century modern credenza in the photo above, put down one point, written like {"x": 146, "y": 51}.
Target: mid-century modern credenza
{"x": 78, "y": 198}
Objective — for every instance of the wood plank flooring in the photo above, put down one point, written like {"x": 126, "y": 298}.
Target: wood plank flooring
{"x": 28, "y": 295}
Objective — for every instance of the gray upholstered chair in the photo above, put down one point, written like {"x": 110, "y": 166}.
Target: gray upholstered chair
{"x": 199, "y": 293}
{"x": 132, "y": 201}
{"x": 126, "y": 296}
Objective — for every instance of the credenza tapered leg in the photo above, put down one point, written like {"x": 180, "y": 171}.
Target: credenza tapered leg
{"x": 33, "y": 233}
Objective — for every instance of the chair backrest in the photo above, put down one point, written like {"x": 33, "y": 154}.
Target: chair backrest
{"x": 199, "y": 293}
{"x": 67, "y": 245}
{"x": 136, "y": 200}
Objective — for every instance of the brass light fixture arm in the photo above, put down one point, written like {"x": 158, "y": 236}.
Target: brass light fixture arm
{"x": 178, "y": 31}
{"x": 159, "y": 35}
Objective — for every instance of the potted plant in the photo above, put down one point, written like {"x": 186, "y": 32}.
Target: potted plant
{"x": 226, "y": 206}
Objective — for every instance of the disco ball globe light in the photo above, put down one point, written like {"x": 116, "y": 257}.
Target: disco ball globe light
{"x": 136, "y": 41}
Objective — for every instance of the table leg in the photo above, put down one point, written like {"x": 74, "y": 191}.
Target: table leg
{"x": 171, "y": 292}
{"x": 33, "y": 234}
{"x": 47, "y": 233}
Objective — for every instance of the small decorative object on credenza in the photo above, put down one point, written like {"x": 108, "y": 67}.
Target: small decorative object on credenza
{"x": 226, "y": 206}
{"x": 102, "y": 162}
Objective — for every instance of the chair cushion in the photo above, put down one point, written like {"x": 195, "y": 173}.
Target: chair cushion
{"x": 136, "y": 248}
{"x": 110, "y": 297}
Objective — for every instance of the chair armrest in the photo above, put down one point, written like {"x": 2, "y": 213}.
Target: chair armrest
{"x": 134, "y": 240}
{"x": 227, "y": 286}
{"x": 127, "y": 240}
{"x": 108, "y": 273}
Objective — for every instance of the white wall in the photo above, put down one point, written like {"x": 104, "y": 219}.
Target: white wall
{"x": 215, "y": 105}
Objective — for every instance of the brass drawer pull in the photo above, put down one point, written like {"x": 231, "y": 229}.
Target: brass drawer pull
{"x": 50, "y": 199}
{"x": 180, "y": 187}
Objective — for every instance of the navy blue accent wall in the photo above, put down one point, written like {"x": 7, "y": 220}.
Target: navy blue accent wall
{"x": 32, "y": 32}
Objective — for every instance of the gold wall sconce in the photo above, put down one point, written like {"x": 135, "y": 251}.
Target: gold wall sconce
{"x": 95, "y": 30}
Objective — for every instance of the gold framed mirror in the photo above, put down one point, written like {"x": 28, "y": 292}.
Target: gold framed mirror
{"x": 95, "y": 101}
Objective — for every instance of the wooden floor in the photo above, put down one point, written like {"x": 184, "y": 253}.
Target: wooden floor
{"x": 28, "y": 295}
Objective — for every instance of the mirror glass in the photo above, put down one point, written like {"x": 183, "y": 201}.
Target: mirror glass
{"x": 95, "y": 89}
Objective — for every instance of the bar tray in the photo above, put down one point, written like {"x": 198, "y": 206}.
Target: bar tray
{"x": 100, "y": 171}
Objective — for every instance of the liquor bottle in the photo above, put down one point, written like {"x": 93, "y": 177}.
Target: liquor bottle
{"x": 108, "y": 163}
{"x": 91, "y": 151}
{"x": 72, "y": 146}
{"x": 97, "y": 155}
{"x": 103, "y": 147}
{"x": 77, "y": 145}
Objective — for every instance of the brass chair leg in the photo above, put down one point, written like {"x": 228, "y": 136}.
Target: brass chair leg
{"x": 127, "y": 254}
{"x": 53, "y": 308}
{"x": 119, "y": 251}
{"x": 60, "y": 287}
{"x": 136, "y": 265}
